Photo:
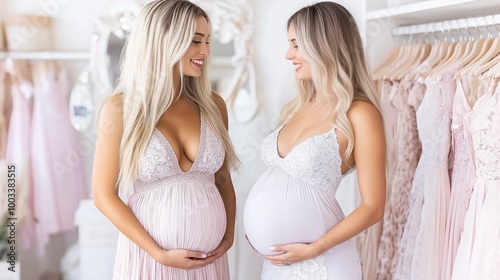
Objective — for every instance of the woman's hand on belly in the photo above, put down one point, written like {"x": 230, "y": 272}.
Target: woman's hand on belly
{"x": 223, "y": 247}
{"x": 184, "y": 259}
{"x": 293, "y": 253}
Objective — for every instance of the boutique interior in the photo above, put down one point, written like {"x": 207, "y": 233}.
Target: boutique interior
{"x": 436, "y": 66}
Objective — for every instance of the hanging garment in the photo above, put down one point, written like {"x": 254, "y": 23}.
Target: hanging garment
{"x": 368, "y": 242}
{"x": 180, "y": 210}
{"x": 462, "y": 175}
{"x": 5, "y": 109}
{"x": 478, "y": 255}
{"x": 18, "y": 147}
{"x": 430, "y": 238}
{"x": 420, "y": 252}
{"x": 58, "y": 164}
{"x": 408, "y": 150}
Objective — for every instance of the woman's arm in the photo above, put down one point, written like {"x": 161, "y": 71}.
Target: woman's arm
{"x": 225, "y": 186}
{"x": 105, "y": 194}
{"x": 369, "y": 156}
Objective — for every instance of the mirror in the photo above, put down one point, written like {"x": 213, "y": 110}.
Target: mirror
{"x": 232, "y": 73}
{"x": 114, "y": 51}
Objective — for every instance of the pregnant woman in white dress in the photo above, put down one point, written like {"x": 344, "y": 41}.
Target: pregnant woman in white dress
{"x": 291, "y": 215}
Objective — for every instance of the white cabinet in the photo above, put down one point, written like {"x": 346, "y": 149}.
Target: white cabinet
{"x": 97, "y": 241}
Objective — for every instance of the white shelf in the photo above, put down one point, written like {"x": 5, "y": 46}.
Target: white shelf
{"x": 435, "y": 10}
{"x": 63, "y": 55}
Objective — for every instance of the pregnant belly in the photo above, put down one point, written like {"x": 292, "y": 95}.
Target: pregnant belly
{"x": 189, "y": 216}
{"x": 282, "y": 210}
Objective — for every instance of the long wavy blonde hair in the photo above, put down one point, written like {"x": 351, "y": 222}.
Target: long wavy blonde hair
{"x": 329, "y": 40}
{"x": 153, "y": 52}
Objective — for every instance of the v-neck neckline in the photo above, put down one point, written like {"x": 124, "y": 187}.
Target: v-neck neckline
{"x": 278, "y": 132}
{"x": 200, "y": 146}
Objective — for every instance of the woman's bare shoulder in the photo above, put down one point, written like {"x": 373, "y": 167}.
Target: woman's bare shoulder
{"x": 363, "y": 113}
{"x": 112, "y": 110}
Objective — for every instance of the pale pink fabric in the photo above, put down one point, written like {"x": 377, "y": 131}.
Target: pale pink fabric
{"x": 180, "y": 210}
{"x": 58, "y": 163}
{"x": 478, "y": 255}
{"x": 368, "y": 241}
{"x": 420, "y": 252}
{"x": 462, "y": 174}
{"x": 4, "y": 108}
{"x": 19, "y": 154}
{"x": 407, "y": 150}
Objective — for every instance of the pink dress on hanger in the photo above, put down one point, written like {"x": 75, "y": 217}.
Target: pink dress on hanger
{"x": 408, "y": 150}
{"x": 368, "y": 241}
{"x": 19, "y": 154}
{"x": 180, "y": 210}
{"x": 4, "y": 109}
{"x": 478, "y": 255}
{"x": 462, "y": 176}
{"x": 58, "y": 164}
{"x": 420, "y": 252}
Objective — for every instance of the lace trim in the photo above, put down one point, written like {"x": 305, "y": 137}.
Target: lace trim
{"x": 312, "y": 269}
{"x": 141, "y": 187}
{"x": 485, "y": 127}
{"x": 315, "y": 161}
{"x": 159, "y": 161}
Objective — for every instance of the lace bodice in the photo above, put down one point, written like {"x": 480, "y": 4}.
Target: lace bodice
{"x": 159, "y": 162}
{"x": 306, "y": 270}
{"x": 434, "y": 119}
{"x": 485, "y": 128}
{"x": 316, "y": 160}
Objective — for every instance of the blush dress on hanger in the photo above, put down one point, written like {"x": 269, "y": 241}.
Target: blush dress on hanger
{"x": 408, "y": 153}
{"x": 58, "y": 163}
{"x": 368, "y": 242}
{"x": 462, "y": 174}
{"x": 179, "y": 209}
{"x": 478, "y": 255}
{"x": 420, "y": 251}
{"x": 294, "y": 202}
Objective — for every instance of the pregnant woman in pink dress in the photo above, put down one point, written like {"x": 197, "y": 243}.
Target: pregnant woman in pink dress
{"x": 291, "y": 214}
{"x": 164, "y": 133}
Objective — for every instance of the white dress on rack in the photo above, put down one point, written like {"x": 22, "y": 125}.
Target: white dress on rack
{"x": 294, "y": 202}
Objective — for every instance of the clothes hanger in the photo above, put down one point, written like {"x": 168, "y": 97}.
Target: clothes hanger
{"x": 482, "y": 64}
{"x": 471, "y": 53}
{"x": 434, "y": 53}
{"x": 423, "y": 52}
{"x": 491, "y": 58}
{"x": 378, "y": 72}
{"x": 438, "y": 50}
{"x": 493, "y": 68}
{"x": 392, "y": 61}
{"x": 446, "y": 50}
{"x": 407, "y": 58}
{"x": 470, "y": 64}
{"x": 458, "y": 53}
{"x": 426, "y": 50}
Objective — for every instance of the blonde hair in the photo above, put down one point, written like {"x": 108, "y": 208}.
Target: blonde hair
{"x": 329, "y": 40}
{"x": 153, "y": 52}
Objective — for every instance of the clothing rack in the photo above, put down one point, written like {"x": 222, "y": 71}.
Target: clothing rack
{"x": 62, "y": 55}
{"x": 448, "y": 25}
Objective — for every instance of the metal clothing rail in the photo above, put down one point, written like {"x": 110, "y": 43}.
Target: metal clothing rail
{"x": 447, "y": 25}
